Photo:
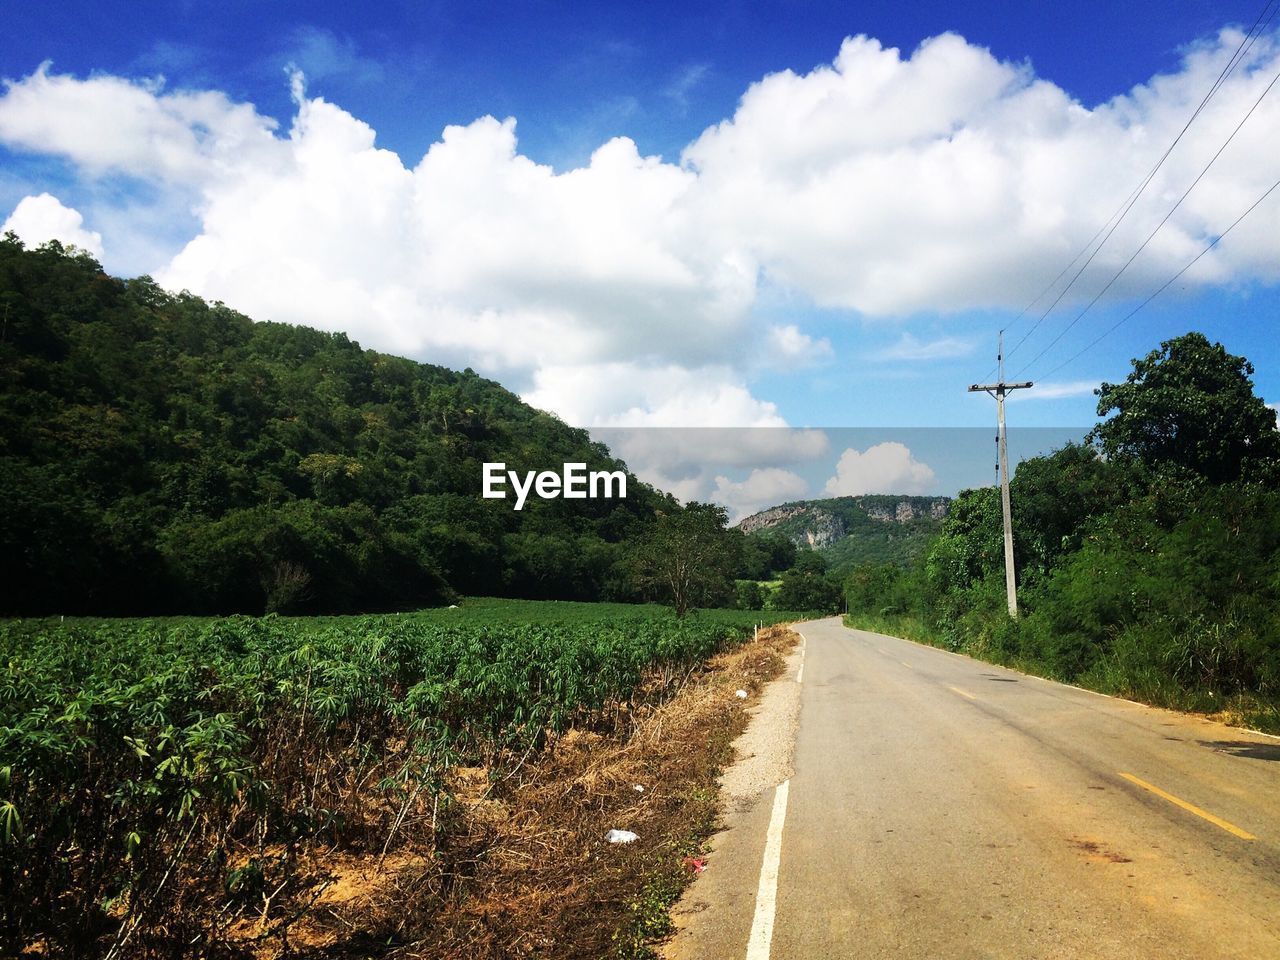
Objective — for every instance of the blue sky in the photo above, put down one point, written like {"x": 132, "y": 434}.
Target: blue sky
{"x": 574, "y": 73}
{"x": 819, "y": 259}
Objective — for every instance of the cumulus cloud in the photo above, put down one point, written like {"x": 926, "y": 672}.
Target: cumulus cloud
{"x": 690, "y": 462}
{"x": 882, "y": 468}
{"x": 627, "y": 291}
{"x": 41, "y": 218}
{"x": 762, "y": 488}
{"x": 640, "y": 395}
{"x": 579, "y": 282}
{"x": 109, "y": 124}
{"x": 949, "y": 180}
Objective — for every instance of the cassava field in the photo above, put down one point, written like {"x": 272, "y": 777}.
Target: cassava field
{"x": 184, "y": 787}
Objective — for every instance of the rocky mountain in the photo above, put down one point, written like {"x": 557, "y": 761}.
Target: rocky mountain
{"x": 852, "y": 530}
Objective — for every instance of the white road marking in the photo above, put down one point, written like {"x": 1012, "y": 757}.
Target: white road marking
{"x": 767, "y": 892}
{"x": 800, "y": 673}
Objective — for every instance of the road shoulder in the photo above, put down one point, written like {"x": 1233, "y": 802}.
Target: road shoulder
{"x": 714, "y": 916}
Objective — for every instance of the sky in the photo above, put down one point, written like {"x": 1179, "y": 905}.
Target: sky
{"x": 645, "y": 216}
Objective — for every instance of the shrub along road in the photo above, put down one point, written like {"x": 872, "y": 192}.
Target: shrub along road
{"x": 945, "y": 807}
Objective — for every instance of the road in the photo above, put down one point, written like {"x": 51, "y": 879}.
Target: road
{"x": 941, "y": 807}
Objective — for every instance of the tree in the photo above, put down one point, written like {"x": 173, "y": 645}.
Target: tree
{"x": 971, "y": 545}
{"x": 807, "y": 587}
{"x": 808, "y": 561}
{"x": 688, "y": 557}
{"x": 161, "y": 454}
{"x": 878, "y": 588}
{"x": 1191, "y": 405}
{"x": 749, "y": 596}
{"x": 1054, "y": 496}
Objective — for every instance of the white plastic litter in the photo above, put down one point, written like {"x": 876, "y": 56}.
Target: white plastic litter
{"x": 453, "y": 606}
{"x": 637, "y": 788}
{"x": 621, "y": 836}
{"x": 741, "y": 694}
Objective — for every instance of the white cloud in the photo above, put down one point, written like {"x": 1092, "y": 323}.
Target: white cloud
{"x": 762, "y": 488}
{"x": 1056, "y": 390}
{"x": 788, "y": 347}
{"x": 688, "y": 451}
{"x": 912, "y": 349}
{"x": 882, "y": 468}
{"x": 41, "y": 218}
{"x": 109, "y": 124}
{"x": 950, "y": 180}
{"x": 626, "y": 291}
{"x": 690, "y": 461}
{"x": 321, "y": 54}
{"x": 625, "y": 394}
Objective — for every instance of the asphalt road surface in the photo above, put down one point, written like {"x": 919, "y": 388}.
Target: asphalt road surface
{"x": 941, "y": 807}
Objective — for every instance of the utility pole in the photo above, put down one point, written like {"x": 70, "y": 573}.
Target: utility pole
{"x": 998, "y": 390}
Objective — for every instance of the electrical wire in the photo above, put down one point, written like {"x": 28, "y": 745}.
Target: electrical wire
{"x": 1142, "y": 246}
{"x": 1164, "y": 286}
{"x": 1246, "y": 44}
{"x": 1262, "y": 21}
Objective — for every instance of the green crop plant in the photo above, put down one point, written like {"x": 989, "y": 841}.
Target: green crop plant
{"x": 158, "y": 777}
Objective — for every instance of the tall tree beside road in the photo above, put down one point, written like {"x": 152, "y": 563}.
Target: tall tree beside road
{"x": 1190, "y": 405}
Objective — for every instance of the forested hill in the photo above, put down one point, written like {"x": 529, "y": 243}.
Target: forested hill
{"x": 162, "y": 454}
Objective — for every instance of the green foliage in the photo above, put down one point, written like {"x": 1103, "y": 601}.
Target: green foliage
{"x": 1055, "y": 496}
{"x": 1151, "y": 572}
{"x": 688, "y": 557}
{"x": 748, "y": 595}
{"x": 649, "y": 918}
{"x": 764, "y": 555}
{"x": 211, "y": 752}
{"x": 1190, "y": 406}
{"x": 884, "y": 589}
{"x": 164, "y": 454}
{"x": 970, "y": 546}
{"x": 806, "y": 586}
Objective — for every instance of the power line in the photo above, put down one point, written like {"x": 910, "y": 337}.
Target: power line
{"x": 1242, "y": 50}
{"x": 1246, "y": 44}
{"x": 1164, "y": 286}
{"x": 1116, "y": 276}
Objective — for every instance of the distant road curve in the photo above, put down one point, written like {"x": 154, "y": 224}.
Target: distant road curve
{"x": 945, "y": 808}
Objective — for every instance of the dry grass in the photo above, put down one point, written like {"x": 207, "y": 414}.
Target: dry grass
{"x": 516, "y": 865}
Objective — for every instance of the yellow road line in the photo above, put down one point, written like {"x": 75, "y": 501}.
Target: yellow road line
{"x": 1190, "y": 808}
{"x": 963, "y": 693}
{"x": 907, "y": 665}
